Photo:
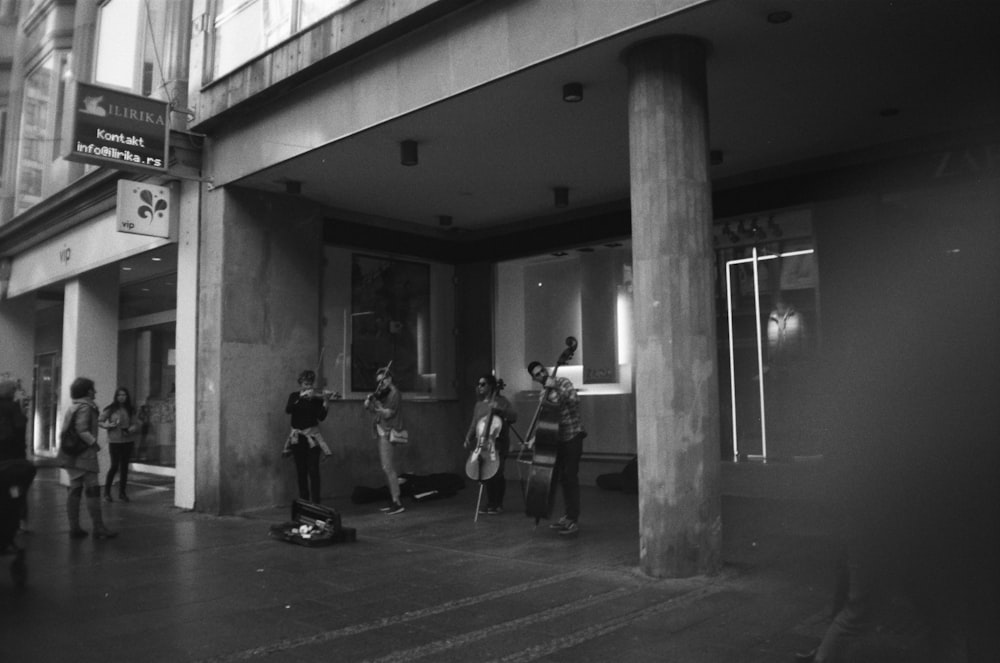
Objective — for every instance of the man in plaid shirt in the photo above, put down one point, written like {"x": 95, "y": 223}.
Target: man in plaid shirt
{"x": 560, "y": 392}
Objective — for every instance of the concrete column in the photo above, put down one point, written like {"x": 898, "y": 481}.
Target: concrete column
{"x": 186, "y": 378}
{"x": 258, "y": 326}
{"x": 90, "y": 337}
{"x": 677, "y": 410}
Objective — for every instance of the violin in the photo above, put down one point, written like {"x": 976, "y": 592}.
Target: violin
{"x": 320, "y": 394}
{"x": 381, "y": 389}
{"x": 484, "y": 462}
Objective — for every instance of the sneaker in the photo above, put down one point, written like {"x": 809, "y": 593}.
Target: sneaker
{"x": 570, "y": 529}
{"x": 78, "y": 533}
{"x": 104, "y": 533}
{"x": 123, "y": 497}
{"x": 107, "y": 497}
{"x": 484, "y": 510}
{"x": 494, "y": 510}
{"x": 560, "y": 524}
{"x": 387, "y": 508}
{"x": 394, "y": 509}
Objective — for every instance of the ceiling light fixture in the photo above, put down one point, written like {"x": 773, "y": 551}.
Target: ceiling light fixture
{"x": 293, "y": 187}
{"x": 444, "y": 220}
{"x": 561, "y": 196}
{"x": 408, "y": 153}
{"x": 573, "y": 93}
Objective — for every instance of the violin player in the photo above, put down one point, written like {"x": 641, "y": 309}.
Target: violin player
{"x": 385, "y": 405}
{"x": 561, "y": 393}
{"x": 308, "y": 406}
{"x": 489, "y": 404}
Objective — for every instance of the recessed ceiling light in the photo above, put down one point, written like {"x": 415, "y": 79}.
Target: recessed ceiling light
{"x": 157, "y": 259}
{"x": 126, "y": 269}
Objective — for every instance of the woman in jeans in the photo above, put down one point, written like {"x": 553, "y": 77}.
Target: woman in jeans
{"x": 120, "y": 421}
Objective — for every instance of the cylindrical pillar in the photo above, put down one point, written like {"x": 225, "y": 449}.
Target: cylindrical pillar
{"x": 677, "y": 408}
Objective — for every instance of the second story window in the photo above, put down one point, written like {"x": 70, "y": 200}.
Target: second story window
{"x": 130, "y": 38}
{"x": 246, "y": 28}
{"x": 38, "y": 145}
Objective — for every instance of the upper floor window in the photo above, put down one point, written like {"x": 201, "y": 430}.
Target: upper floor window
{"x": 130, "y": 37}
{"x": 246, "y": 28}
{"x": 44, "y": 91}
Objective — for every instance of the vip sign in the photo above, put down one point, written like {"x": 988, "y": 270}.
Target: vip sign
{"x": 144, "y": 209}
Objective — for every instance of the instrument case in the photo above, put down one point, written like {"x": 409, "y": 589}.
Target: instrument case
{"x": 313, "y": 525}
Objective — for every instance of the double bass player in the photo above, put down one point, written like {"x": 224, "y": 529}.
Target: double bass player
{"x": 561, "y": 393}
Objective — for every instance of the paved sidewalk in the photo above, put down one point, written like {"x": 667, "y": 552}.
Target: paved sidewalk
{"x": 429, "y": 584}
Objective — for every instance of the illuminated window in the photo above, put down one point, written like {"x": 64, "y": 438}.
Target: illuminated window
{"x": 586, "y": 294}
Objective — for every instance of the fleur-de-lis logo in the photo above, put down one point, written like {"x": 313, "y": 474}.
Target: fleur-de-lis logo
{"x": 154, "y": 208}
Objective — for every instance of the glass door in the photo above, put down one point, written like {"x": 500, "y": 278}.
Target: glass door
{"x": 45, "y": 404}
{"x": 768, "y": 335}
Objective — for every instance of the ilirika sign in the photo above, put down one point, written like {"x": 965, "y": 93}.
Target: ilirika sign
{"x": 112, "y": 128}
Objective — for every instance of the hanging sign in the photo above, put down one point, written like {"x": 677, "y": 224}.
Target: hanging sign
{"x": 144, "y": 209}
{"x": 117, "y": 129}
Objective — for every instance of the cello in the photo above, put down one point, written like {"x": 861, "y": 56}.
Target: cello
{"x": 543, "y": 439}
{"x": 484, "y": 461}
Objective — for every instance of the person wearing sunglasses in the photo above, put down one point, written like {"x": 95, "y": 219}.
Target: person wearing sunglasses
{"x": 560, "y": 392}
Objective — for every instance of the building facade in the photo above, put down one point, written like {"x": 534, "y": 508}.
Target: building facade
{"x": 714, "y": 199}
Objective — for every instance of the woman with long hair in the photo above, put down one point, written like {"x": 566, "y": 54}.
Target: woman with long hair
{"x": 120, "y": 421}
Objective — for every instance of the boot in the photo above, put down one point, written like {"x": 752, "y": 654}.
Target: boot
{"x": 73, "y": 511}
{"x": 96, "y": 517}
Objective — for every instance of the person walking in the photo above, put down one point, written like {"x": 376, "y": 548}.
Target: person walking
{"x": 83, "y": 469}
{"x": 119, "y": 420}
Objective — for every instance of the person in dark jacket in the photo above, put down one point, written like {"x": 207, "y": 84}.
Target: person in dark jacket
{"x": 308, "y": 406}
{"x": 13, "y": 424}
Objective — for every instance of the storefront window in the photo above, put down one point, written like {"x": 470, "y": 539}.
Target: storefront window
{"x": 381, "y": 308}
{"x": 768, "y": 294}
{"x": 584, "y": 293}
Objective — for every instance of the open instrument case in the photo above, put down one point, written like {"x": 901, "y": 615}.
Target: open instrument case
{"x": 313, "y": 525}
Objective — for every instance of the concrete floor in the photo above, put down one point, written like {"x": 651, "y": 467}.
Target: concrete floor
{"x": 428, "y": 584}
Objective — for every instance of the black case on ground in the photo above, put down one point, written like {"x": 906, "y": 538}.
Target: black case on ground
{"x": 308, "y": 513}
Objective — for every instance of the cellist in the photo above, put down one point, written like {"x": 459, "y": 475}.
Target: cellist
{"x": 561, "y": 393}
{"x": 490, "y": 403}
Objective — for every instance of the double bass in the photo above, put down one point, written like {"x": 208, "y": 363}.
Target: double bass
{"x": 484, "y": 461}
{"x": 540, "y": 491}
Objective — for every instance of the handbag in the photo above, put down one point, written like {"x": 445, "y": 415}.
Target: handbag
{"x": 70, "y": 443}
{"x": 399, "y": 436}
